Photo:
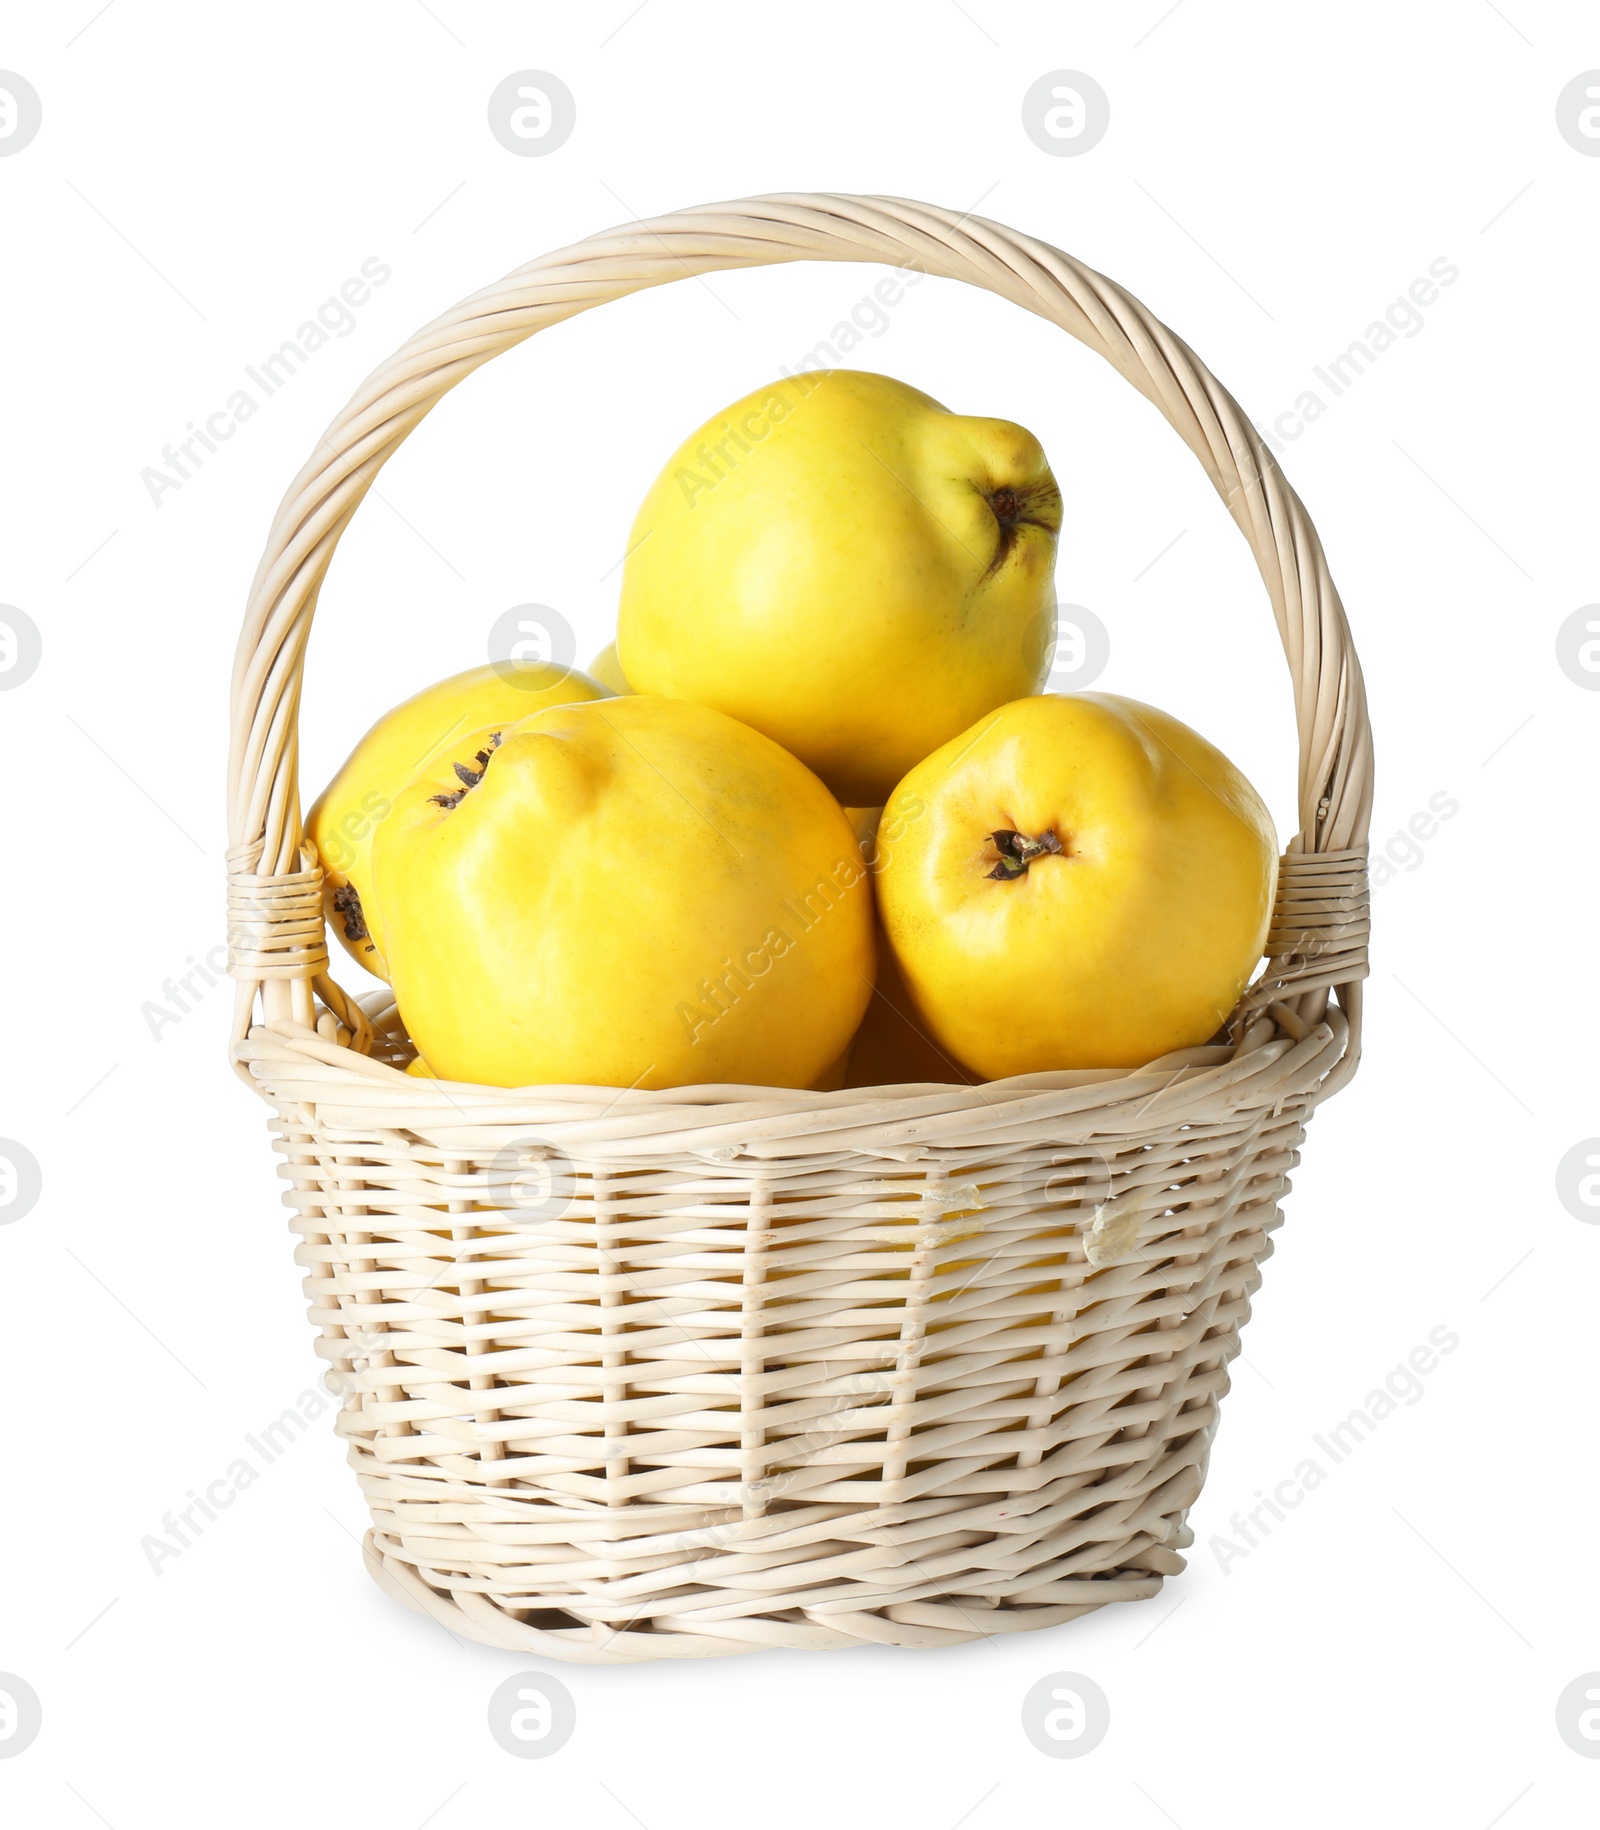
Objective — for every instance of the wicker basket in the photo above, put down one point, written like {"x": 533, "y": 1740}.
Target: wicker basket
{"x": 908, "y": 1365}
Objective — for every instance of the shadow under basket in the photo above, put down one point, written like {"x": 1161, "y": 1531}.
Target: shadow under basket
{"x": 648, "y": 1375}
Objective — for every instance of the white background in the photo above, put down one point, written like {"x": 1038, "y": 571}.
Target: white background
{"x": 1272, "y": 179}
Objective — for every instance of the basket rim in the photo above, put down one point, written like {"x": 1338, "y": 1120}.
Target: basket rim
{"x": 291, "y": 1064}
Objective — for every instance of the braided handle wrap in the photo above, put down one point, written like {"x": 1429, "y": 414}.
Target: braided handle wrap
{"x": 1319, "y": 933}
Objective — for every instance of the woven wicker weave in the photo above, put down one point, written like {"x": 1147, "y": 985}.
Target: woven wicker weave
{"x": 905, "y": 1365}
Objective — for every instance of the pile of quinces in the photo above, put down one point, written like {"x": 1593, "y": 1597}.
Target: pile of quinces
{"x": 810, "y": 821}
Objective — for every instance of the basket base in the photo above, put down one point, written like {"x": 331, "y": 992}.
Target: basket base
{"x": 920, "y": 1625}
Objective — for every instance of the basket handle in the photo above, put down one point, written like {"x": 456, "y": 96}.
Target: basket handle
{"x": 278, "y": 944}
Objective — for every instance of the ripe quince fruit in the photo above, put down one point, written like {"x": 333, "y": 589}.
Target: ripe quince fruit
{"x": 842, "y": 563}
{"x": 607, "y": 669}
{"x": 400, "y": 745}
{"x": 633, "y": 892}
{"x": 892, "y": 1048}
{"x": 1081, "y": 882}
